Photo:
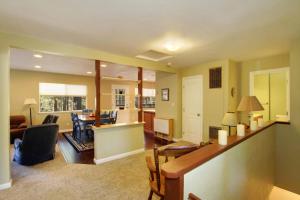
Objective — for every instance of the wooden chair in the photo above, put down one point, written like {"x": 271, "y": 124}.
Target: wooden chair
{"x": 157, "y": 181}
{"x": 193, "y": 197}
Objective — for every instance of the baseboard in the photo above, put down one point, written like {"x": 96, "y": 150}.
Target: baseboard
{"x": 118, "y": 156}
{"x": 177, "y": 139}
{"x": 5, "y": 185}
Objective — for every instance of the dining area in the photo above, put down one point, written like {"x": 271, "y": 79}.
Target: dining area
{"x": 82, "y": 135}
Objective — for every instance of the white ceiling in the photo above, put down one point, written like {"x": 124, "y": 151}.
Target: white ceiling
{"x": 209, "y": 29}
{"x": 24, "y": 60}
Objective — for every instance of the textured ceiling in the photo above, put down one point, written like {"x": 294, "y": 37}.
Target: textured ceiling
{"x": 207, "y": 29}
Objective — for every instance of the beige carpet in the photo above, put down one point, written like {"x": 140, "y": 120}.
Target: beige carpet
{"x": 117, "y": 180}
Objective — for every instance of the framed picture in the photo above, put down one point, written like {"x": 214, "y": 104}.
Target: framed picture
{"x": 165, "y": 94}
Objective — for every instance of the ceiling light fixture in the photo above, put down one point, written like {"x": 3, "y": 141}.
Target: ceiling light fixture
{"x": 171, "y": 46}
{"x": 37, "y": 55}
{"x": 37, "y": 67}
{"x": 103, "y": 65}
{"x": 89, "y": 72}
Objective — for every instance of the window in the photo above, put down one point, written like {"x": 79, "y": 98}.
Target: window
{"x": 120, "y": 96}
{"x": 62, "y": 97}
{"x": 148, "y": 98}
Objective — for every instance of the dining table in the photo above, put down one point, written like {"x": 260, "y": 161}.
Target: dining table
{"x": 87, "y": 120}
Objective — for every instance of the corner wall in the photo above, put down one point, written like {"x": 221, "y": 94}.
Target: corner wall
{"x": 172, "y": 108}
{"x": 4, "y": 116}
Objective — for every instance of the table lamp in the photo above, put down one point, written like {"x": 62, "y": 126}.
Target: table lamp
{"x": 30, "y": 102}
{"x": 229, "y": 120}
{"x": 249, "y": 104}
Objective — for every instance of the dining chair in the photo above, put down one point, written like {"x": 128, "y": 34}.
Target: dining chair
{"x": 48, "y": 119}
{"x": 79, "y": 128}
{"x": 156, "y": 179}
{"x": 113, "y": 116}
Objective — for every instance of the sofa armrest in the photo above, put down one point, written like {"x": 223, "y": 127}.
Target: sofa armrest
{"x": 17, "y": 143}
{"x": 23, "y": 125}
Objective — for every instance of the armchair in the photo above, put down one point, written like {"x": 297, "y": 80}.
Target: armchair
{"x": 37, "y": 145}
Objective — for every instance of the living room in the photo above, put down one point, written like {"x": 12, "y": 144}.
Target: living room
{"x": 211, "y": 53}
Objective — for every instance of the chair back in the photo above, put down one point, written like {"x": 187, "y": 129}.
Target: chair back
{"x": 76, "y": 125}
{"x": 105, "y": 118}
{"x": 171, "y": 151}
{"x": 48, "y": 119}
{"x": 114, "y": 116}
{"x": 40, "y": 140}
{"x": 54, "y": 119}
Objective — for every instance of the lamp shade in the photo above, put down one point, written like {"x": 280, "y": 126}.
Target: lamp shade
{"x": 249, "y": 103}
{"x": 29, "y": 101}
{"x": 229, "y": 119}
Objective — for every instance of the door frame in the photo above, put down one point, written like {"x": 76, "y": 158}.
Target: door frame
{"x": 200, "y": 76}
{"x": 267, "y": 71}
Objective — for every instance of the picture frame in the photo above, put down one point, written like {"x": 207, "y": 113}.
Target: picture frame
{"x": 165, "y": 94}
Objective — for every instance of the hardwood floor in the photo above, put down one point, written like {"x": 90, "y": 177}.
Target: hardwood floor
{"x": 71, "y": 155}
{"x": 86, "y": 157}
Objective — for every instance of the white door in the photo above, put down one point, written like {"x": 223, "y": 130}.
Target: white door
{"x": 192, "y": 111}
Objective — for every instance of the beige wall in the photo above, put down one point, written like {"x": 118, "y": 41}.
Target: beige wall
{"x": 4, "y": 115}
{"x": 25, "y": 84}
{"x": 172, "y": 108}
{"x": 128, "y": 139}
{"x": 215, "y": 101}
{"x": 244, "y": 172}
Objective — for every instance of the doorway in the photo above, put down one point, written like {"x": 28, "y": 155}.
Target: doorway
{"x": 272, "y": 89}
{"x": 192, "y": 108}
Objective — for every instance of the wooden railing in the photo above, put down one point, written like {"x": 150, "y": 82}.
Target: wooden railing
{"x": 175, "y": 170}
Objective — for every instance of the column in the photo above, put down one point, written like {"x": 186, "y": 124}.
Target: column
{"x": 98, "y": 92}
{"x": 140, "y": 94}
{"x": 5, "y": 179}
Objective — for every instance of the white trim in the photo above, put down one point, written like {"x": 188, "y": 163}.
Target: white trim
{"x": 6, "y": 185}
{"x": 118, "y": 156}
{"x": 270, "y": 71}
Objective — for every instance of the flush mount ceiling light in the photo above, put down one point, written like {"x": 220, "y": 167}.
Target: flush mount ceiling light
{"x": 37, "y": 67}
{"x": 89, "y": 72}
{"x": 172, "y": 46}
{"x": 37, "y": 55}
{"x": 103, "y": 65}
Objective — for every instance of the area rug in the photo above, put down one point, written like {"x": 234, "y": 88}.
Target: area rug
{"x": 87, "y": 143}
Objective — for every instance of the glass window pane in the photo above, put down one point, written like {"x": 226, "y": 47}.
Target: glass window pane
{"x": 79, "y": 103}
{"x": 46, "y": 103}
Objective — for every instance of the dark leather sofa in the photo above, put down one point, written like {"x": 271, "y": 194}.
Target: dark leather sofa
{"x": 37, "y": 145}
{"x": 17, "y": 127}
